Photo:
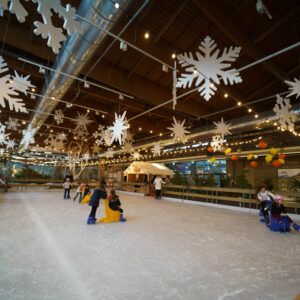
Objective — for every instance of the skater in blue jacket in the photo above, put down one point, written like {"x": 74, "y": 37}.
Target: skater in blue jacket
{"x": 99, "y": 193}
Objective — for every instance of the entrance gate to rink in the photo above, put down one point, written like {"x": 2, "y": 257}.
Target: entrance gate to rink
{"x": 225, "y": 196}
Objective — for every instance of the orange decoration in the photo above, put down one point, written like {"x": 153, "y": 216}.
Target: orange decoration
{"x": 262, "y": 144}
{"x": 234, "y": 157}
{"x": 276, "y": 163}
{"x": 210, "y": 149}
{"x": 253, "y": 164}
{"x": 282, "y": 156}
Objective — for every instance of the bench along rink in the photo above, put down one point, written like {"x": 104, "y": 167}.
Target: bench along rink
{"x": 165, "y": 250}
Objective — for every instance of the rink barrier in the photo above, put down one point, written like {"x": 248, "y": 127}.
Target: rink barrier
{"x": 218, "y": 195}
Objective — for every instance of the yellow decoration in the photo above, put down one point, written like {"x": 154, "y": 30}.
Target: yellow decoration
{"x": 110, "y": 215}
{"x": 239, "y": 150}
{"x": 212, "y": 160}
{"x": 268, "y": 158}
{"x": 273, "y": 151}
{"x": 227, "y": 151}
{"x": 282, "y": 161}
{"x": 250, "y": 156}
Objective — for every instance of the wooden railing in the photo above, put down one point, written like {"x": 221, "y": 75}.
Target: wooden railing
{"x": 228, "y": 196}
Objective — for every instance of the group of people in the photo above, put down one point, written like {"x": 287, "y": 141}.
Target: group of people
{"x": 273, "y": 211}
{"x": 98, "y": 194}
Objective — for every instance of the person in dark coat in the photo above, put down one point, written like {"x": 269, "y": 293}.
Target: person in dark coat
{"x": 99, "y": 193}
{"x": 114, "y": 203}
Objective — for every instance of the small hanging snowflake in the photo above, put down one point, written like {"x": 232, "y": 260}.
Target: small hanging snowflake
{"x": 3, "y": 137}
{"x": 98, "y": 133}
{"x": 127, "y": 148}
{"x": 283, "y": 111}
{"x": 28, "y": 136}
{"x": 222, "y": 128}
{"x": 12, "y": 124}
{"x": 294, "y": 87}
{"x": 136, "y": 155}
{"x": 178, "y": 131}
{"x": 2, "y": 127}
{"x": 10, "y": 144}
{"x": 217, "y": 142}
{"x": 86, "y": 156}
{"x": 10, "y": 89}
{"x": 59, "y": 116}
{"x": 81, "y": 121}
{"x": 156, "y": 149}
{"x": 118, "y": 128}
{"x": 1, "y": 151}
{"x": 107, "y": 137}
{"x": 109, "y": 153}
{"x": 127, "y": 137}
{"x": 208, "y": 68}
{"x": 54, "y": 34}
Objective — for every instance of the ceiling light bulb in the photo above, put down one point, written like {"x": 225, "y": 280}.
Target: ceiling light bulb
{"x": 239, "y": 103}
{"x": 173, "y": 55}
{"x": 151, "y": 131}
{"x": 225, "y": 95}
{"x": 117, "y": 5}
{"x": 146, "y": 35}
{"x": 249, "y": 110}
{"x": 140, "y": 128}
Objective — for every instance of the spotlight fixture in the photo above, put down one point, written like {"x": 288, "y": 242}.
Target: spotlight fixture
{"x": 32, "y": 97}
{"x": 121, "y": 97}
{"x": 165, "y": 68}
{"x": 86, "y": 85}
{"x": 97, "y": 113}
{"x": 42, "y": 70}
{"x": 123, "y": 46}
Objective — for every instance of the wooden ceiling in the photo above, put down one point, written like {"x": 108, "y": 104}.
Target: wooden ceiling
{"x": 174, "y": 26}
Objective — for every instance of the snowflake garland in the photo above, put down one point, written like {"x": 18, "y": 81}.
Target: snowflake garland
{"x": 294, "y": 87}
{"x": 12, "y": 124}
{"x": 11, "y": 87}
{"x": 59, "y": 116}
{"x": 222, "y": 128}
{"x": 118, "y": 128}
{"x": 46, "y": 29}
{"x": 208, "y": 68}
{"x": 178, "y": 131}
{"x": 283, "y": 111}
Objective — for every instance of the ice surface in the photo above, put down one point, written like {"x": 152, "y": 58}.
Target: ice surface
{"x": 165, "y": 250}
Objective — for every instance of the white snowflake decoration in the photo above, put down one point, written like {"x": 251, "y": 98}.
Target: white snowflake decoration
{"x": 178, "y": 131}
{"x": 12, "y": 124}
{"x": 86, "y": 156}
{"x": 54, "y": 34}
{"x": 118, "y": 128}
{"x": 217, "y": 142}
{"x": 10, "y": 89}
{"x": 109, "y": 153}
{"x": 98, "y": 133}
{"x": 127, "y": 137}
{"x": 81, "y": 121}
{"x": 208, "y": 68}
{"x": 59, "y": 116}
{"x": 10, "y": 144}
{"x": 107, "y": 137}
{"x": 28, "y": 136}
{"x": 2, "y": 127}
{"x": 55, "y": 142}
{"x": 156, "y": 149}
{"x": 21, "y": 84}
{"x": 136, "y": 155}
{"x": 3, "y": 137}
{"x": 294, "y": 87}
{"x": 283, "y": 111}
{"x": 1, "y": 151}
{"x": 127, "y": 148}
{"x": 222, "y": 128}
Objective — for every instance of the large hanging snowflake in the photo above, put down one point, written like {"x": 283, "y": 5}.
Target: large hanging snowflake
{"x": 118, "y": 128}
{"x": 156, "y": 149}
{"x": 59, "y": 116}
{"x": 12, "y": 124}
{"x": 222, "y": 128}
{"x": 283, "y": 111}
{"x": 294, "y": 87}
{"x": 11, "y": 87}
{"x": 46, "y": 29}
{"x": 55, "y": 142}
{"x": 208, "y": 68}
{"x": 28, "y": 136}
{"x": 178, "y": 131}
{"x": 217, "y": 142}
